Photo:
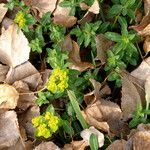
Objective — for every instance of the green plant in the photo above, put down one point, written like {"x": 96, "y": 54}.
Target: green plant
{"x": 123, "y": 7}
{"x": 86, "y": 34}
{"x": 73, "y": 5}
{"x": 123, "y": 53}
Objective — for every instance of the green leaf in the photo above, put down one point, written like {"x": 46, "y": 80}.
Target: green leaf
{"x": 114, "y": 10}
{"x": 46, "y": 19}
{"x": 113, "y": 36}
{"x": 76, "y": 107}
{"x": 131, "y": 13}
{"x": 123, "y": 24}
{"x": 67, "y": 127}
{"x": 65, "y": 4}
{"x": 94, "y": 142}
{"x": 50, "y": 109}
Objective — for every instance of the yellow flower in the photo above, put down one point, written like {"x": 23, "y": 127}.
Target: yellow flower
{"x": 43, "y": 131}
{"x": 58, "y": 81}
{"x": 20, "y": 19}
{"x": 36, "y": 121}
{"x": 53, "y": 121}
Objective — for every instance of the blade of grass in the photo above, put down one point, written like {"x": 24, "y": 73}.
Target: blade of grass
{"x": 76, "y": 108}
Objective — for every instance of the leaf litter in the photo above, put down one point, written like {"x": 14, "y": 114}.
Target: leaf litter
{"x": 20, "y": 81}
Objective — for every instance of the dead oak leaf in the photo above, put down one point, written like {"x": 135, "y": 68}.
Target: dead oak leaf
{"x": 14, "y": 47}
{"x": 3, "y": 11}
{"x": 8, "y": 96}
{"x": 47, "y": 146}
{"x": 43, "y": 6}
{"x": 74, "y": 58}
{"x": 130, "y": 97}
{"x": 61, "y": 17}
{"x": 3, "y": 72}
{"x": 9, "y": 130}
{"x": 117, "y": 145}
{"x": 102, "y": 45}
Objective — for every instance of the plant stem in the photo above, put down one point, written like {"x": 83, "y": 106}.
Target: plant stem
{"x": 76, "y": 108}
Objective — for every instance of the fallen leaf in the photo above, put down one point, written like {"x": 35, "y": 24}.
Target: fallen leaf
{"x": 47, "y": 146}
{"x": 130, "y": 97}
{"x": 61, "y": 16}
{"x": 27, "y": 99}
{"x": 146, "y": 19}
{"x": 21, "y": 72}
{"x": 105, "y": 115}
{"x": 8, "y": 97}
{"x": 84, "y": 6}
{"x": 76, "y": 145}
{"x": 143, "y": 71}
{"x": 117, "y": 145}
{"x": 86, "y": 133}
{"x": 102, "y": 45}
{"x": 74, "y": 58}
{"x": 139, "y": 139}
{"x": 25, "y": 120}
{"x": 43, "y": 6}
{"x": 9, "y": 130}
{"x": 14, "y": 47}
{"x": 146, "y": 45}
{"x": 3, "y": 72}
{"x": 3, "y": 11}
{"x": 94, "y": 9}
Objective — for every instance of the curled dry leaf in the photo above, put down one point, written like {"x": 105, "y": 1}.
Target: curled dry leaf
{"x": 9, "y": 130}
{"x": 3, "y": 11}
{"x": 42, "y": 6}
{"x": 14, "y": 47}
{"x": 117, "y": 145}
{"x": 47, "y": 146}
{"x": 139, "y": 138}
{"x": 105, "y": 115}
{"x": 146, "y": 19}
{"x": 61, "y": 16}
{"x": 130, "y": 97}
{"x": 8, "y": 96}
{"x": 102, "y": 45}
{"x": 86, "y": 133}
{"x": 74, "y": 57}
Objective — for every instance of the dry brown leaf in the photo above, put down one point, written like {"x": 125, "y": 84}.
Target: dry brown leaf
{"x": 143, "y": 71}
{"x": 94, "y": 9}
{"x": 42, "y": 6}
{"x": 8, "y": 96}
{"x": 74, "y": 57}
{"x": 9, "y": 130}
{"x": 146, "y": 45}
{"x": 102, "y": 45}
{"x": 25, "y": 120}
{"x": 67, "y": 43}
{"x": 25, "y": 100}
{"x": 3, "y": 11}
{"x": 61, "y": 16}
{"x": 146, "y": 19}
{"x": 139, "y": 138}
{"x": 3, "y": 72}
{"x": 105, "y": 115}
{"x": 21, "y": 72}
{"x": 14, "y": 47}
{"x": 84, "y": 6}
{"x": 47, "y": 146}
{"x": 117, "y": 145}
{"x": 130, "y": 97}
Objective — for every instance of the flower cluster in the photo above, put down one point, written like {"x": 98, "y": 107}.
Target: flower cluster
{"x": 20, "y": 19}
{"x": 58, "y": 81}
{"x": 46, "y": 124}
